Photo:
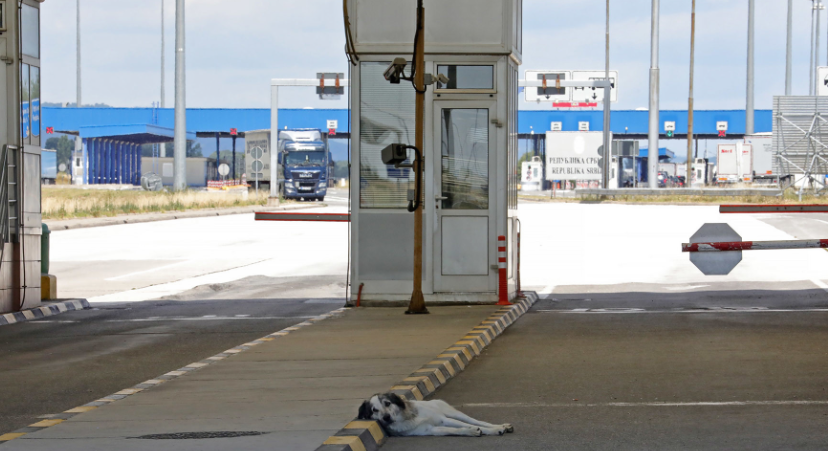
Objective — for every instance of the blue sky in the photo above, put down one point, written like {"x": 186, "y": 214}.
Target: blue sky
{"x": 233, "y": 52}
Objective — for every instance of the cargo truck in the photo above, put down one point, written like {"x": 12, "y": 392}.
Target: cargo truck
{"x": 762, "y": 144}
{"x": 735, "y": 163}
{"x": 308, "y": 166}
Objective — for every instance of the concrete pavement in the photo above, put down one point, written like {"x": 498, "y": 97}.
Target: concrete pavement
{"x": 653, "y": 367}
{"x": 56, "y": 363}
{"x": 296, "y": 390}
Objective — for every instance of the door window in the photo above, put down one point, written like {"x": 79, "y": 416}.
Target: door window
{"x": 465, "y": 158}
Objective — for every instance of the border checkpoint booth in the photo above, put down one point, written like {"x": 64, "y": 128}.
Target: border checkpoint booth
{"x": 470, "y": 149}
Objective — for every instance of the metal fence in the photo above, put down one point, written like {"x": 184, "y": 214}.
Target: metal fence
{"x": 800, "y": 136}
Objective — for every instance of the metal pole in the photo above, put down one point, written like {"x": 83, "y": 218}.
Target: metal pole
{"x": 78, "y": 141}
{"x": 816, "y": 46}
{"x": 688, "y": 177}
{"x": 607, "y": 99}
{"x": 234, "y": 158}
{"x": 811, "y": 62}
{"x": 417, "y": 303}
{"x": 274, "y": 147}
{"x": 163, "y": 95}
{"x": 652, "y": 156}
{"x": 218, "y": 152}
{"x": 749, "y": 94}
{"x": 180, "y": 140}
{"x": 789, "y": 49}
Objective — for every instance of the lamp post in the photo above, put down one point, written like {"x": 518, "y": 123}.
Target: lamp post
{"x": 180, "y": 139}
{"x": 652, "y": 156}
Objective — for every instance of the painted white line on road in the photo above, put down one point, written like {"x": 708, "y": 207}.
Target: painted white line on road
{"x": 650, "y": 404}
{"x": 691, "y": 287}
{"x": 546, "y": 293}
{"x": 153, "y": 292}
{"x": 345, "y": 199}
{"x": 137, "y": 273}
{"x": 628, "y": 311}
{"x": 204, "y": 318}
{"x": 820, "y": 284}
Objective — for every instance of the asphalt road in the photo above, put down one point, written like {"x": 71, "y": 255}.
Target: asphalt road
{"x": 631, "y": 324}
{"x": 61, "y": 362}
{"x": 722, "y": 367}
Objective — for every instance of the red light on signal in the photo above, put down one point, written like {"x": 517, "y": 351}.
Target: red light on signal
{"x": 234, "y": 131}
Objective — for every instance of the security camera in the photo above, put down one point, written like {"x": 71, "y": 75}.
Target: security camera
{"x": 442, "y": 79}
{"x": 395, "y": 70}
{"x": 394, "y": 154}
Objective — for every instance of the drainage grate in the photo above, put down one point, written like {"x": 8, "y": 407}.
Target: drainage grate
{"x": 200, "y": 435}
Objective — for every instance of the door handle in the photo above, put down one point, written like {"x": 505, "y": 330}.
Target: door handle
{"x": 440, "y": 198}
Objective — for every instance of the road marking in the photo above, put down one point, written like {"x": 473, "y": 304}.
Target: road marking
{"x": 651, "y": 404}
{"x": 691, "y": 287}
{"x": 627, "y": 311}
{"x": 204, "y": 318}
{"x": 337, "y": 198}
{"x": 126, "y": 276}
{"x": 820, "y": 220}
{"x": 546, "y": 293}
{"x": 820, "y": 284}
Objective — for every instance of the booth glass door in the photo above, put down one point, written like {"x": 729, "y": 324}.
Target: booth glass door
{"x": 463, "y": 204}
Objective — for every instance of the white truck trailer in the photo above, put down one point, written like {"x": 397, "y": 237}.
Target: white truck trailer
{"x": 735, "y": 163}
{"x": 762, "y": 144}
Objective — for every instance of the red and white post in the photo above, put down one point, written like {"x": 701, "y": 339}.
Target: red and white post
{"x": 503, "y": 292}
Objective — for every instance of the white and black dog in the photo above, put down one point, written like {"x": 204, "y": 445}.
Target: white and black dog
{"x": 404, "y": 418}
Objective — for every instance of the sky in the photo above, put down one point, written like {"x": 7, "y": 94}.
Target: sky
{"x": 233, "y": 52}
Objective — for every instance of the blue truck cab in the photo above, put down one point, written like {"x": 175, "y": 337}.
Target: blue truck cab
{"x": 306, "y": 162}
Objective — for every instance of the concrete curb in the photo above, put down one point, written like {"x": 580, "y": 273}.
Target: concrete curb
{"x": 56, "y": 419}
{"x": 360, "y": 435}
{"x": 44, "y": 311}
{"x": 83, "y": 223}
{"x": 767, "y": 192}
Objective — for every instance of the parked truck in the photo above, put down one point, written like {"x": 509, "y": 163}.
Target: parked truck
{"x": 735, "y": 163}
{"x": 307, "y": 163}
{"x": 762, "y": 144}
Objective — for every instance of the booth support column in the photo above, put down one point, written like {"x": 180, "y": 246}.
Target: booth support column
{"x": 417, "y": 304}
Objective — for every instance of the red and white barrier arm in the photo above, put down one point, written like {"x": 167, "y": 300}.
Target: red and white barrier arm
{"x": 810, "y": 208}
{"x": 754, "y": 245}
{"x": 318, "y": 217}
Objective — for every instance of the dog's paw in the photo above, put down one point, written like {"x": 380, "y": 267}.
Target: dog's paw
{"x": 478, "y": 432}
{"x": 501, "y": 431}
{"x": 508, "y": 427}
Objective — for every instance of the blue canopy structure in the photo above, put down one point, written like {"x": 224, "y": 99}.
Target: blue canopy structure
{"x": 112, "y": 153}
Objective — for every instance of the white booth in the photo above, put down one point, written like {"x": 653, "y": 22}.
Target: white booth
{"x": 470, "y": 151}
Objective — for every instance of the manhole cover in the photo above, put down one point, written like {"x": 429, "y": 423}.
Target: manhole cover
{"x": 199, "y": 435}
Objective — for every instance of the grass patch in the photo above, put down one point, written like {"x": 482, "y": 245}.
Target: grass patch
{"x": 68, "y": 203}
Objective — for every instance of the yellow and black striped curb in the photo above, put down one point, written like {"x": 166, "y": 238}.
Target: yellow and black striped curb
{"x": 44, "y": 311}
{"x": 361, "y": 435}
{"x": 55, "y": 419}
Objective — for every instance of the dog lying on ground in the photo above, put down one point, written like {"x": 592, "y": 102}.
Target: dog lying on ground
{"x": 404, "y": 418}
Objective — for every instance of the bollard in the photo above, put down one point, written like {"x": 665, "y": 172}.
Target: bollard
{"x": 503, "y": 292}
{"x": 44, "y": 249}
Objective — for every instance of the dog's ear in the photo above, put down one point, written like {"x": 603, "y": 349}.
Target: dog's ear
{"x": 395, "y": 399}
{"x": 364, "y": 411}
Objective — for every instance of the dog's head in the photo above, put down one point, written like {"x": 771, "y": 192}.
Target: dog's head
{"x": 386, "y": 408}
